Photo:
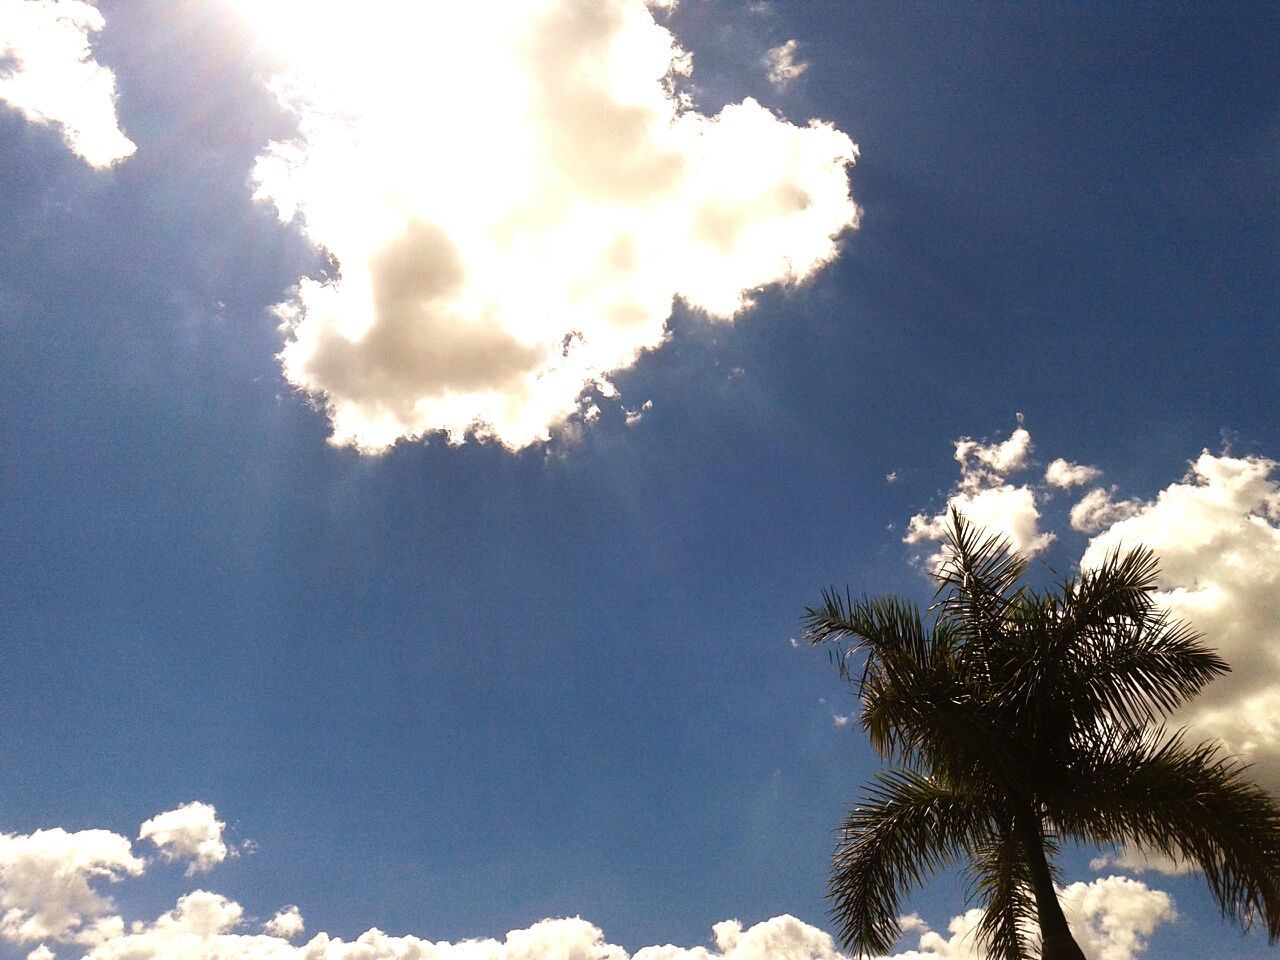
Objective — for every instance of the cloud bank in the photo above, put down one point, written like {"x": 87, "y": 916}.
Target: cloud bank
{"x": 48, "y": 74}
{"x": 51, "y": 908}
{"x": 515, "y": 205}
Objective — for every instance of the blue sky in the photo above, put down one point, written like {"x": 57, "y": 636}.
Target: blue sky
{"x": 451, "y": 690}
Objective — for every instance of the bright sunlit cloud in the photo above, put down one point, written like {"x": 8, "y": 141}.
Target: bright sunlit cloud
{"x": 48, "y": 74}
{"x": 516, "y": 193}
{"x": 1217, "y": 536}
{"x": 987, "y": 498}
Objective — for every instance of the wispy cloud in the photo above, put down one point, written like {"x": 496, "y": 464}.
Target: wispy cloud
{"x": 784, "y": 66}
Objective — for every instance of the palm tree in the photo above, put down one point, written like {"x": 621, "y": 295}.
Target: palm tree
{"x": 1021, "y": 719}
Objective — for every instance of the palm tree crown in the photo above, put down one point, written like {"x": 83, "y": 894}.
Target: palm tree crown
{"x": 1020, "y": 719}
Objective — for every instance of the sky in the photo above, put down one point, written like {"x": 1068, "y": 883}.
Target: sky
{"x": 423, "y": 426}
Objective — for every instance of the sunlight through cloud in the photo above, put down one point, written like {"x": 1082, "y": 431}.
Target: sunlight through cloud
{"x": 515, "y": 194}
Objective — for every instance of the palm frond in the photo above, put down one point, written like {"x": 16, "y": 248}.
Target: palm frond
{"x": 890, "y": 631}
{"x": 1183, "y": 801}
{"x": 1138, "y": 671}
{"x": 977, "y": 581}
{"x": 908, "y": 828}
{"x": 1000, "y": 881}
{"x": 1121, "y": 586}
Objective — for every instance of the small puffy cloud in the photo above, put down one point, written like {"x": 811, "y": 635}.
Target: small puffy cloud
{"x": 1001, "y": 458}
{"x": 41, "y": 952}
{"x": 46, "y": 881}
{"x": 1217, "y": 537}
{"x": 1008, "y": 510}
{"x": 987, "y": 499}
{"x": 48, "y": 74}
{"x": 1097, "y": 510}
{"x": 191, "y": 833}
{"x": 1065, "y": 474}
{"x": 841, "y": 719}
{"x": 1137, "y": 860}
{"x": 783, "y": 65}
{"x": 503, "y": 253}
{"x": 635, "y": 416}
{"x": 286, "y": 924}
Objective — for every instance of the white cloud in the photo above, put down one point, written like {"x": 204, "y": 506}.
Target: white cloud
{"x": 287, "y": 924}
{"x": 1065, "y": 474}
{"x": 635, "y": 416}
{"x": 512, "y": 233}
{"x": 1112, "y": 918}
{"x": 45, "y": 894}
{"x": 987, "y": 499}
{"x": 45, "y": 890}
{"x": 192, "y": 833}
{"x": 1217, "y": 537}
{"x": 1000, "y": 458}
{"x": 1138, "y": 860}
{"x": 48, "y": 74}
{"x": 1097, "y": 510}
{"x": 783, "y": 65}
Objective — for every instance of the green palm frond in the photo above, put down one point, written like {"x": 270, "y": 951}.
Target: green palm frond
{"x": 1000, "y": 882}
{"x": 1183, "y": 801}
{"x": 1121, "y": 586}
{"x": 888, "y": 630}
{"x": 977, "y": 581}
{"x": 908, "y": 828}
{"x": 1139, "y": 671}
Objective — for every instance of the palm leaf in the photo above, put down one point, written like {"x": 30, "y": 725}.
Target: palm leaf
{"x": 908, "y": 828}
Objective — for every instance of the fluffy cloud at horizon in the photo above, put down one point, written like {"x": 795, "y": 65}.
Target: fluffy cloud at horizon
{"x": 500, "y": 255}
{"x": 1216, "y": 534}
{"x": 47, "y": 877}
{"x": 48, "y": 74}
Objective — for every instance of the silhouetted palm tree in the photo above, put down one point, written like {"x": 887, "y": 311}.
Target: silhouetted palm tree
{"x": 1021, "y": 719}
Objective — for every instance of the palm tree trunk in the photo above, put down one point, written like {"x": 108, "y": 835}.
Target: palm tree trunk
{"x": 1056, "y": 940}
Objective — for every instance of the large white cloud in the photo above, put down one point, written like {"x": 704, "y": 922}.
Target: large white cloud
{"x": 1217, "y": 536}
{"x": 45, "y": 884}
{"x": 191, "y": 833}
{"x": 48, "y": 74}
{"x": 516, "y": 192}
